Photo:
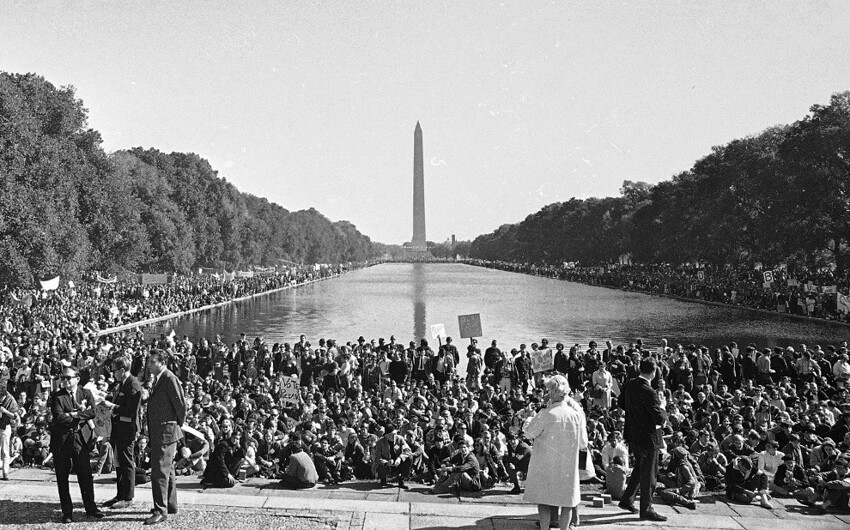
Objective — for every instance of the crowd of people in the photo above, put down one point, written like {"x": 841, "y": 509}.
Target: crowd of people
{"x": 751, "y": 423}
{"x": 804, "y": 293}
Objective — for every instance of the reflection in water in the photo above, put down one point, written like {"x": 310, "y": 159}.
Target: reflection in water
{"x": 420, "y": 316}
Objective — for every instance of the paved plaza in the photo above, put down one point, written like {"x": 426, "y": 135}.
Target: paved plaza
{"x": 29, "y": 500}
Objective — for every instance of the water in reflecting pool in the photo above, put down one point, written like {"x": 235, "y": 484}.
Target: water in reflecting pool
{"x": 406, "y": 299}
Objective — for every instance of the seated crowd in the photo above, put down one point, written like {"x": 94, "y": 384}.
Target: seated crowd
{"x": 752, "y": 422}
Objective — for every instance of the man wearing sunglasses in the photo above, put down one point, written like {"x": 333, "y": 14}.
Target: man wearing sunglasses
{"x": 70, "y": 437}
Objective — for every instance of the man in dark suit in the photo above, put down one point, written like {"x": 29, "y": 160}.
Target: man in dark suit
{"x": 71, "y": 408}
{"x": 166, "y": 414}
{"x": 125, "y": 427}
{"x": 644, "y": 419}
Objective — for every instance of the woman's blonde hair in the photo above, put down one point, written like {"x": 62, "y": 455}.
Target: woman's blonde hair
{"x": 558, "y": 388}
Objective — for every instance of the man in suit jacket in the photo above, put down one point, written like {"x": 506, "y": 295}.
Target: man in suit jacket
{"x": 166, "y": 414}
{"x": 71, "y": 408}
{"x": 125, "y": 427}
{"x": 391, "y": 455}
{"x": 644, "y": 419}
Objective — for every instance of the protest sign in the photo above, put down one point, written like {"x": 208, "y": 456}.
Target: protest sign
{"x": 768, "y": 276}
{"x": 470, "y": 326}
{"x": 438, "y": 330}
{"x": 289, "y": 390}
{"x": 542, "y": 360}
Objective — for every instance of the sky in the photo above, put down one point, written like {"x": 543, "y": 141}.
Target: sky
{"x": 313, "y": 104}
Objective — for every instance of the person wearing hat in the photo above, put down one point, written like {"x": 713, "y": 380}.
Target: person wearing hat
{"x": 71, "y": 440}
{"x": 789, "y": 478}
{"x": 681, "y": 473}
{"x": 391, "y": 456}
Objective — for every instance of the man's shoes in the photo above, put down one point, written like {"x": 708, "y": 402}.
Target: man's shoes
{"x": 4, "y": 477}
{"x": 629, "y": 507}
{"x": 172, "y": 511}
{"x": 97, "y": 514}
{"x": 403, "y": 486}
{"x": 156, "y": 519}
{"x": 516, "y": 491}
{"x": 111, "y": 502}
{"x": 67, "y": 519}
{"x": 691, "y": 505}
{"x": 120, "y": 505}
{"x": 653, "y": 516}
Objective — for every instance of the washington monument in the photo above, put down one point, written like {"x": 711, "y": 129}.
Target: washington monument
{"x": 418, "y": 243}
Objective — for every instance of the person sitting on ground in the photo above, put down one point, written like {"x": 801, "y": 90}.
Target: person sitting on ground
{"x": 686, "y": 484}
{"x": 745, "y": 484}
{"x": 516, "y": 461}
{"x": 391, "y": 456}
{"x": 789, "y": 478}
{"x": 833, "y": 487}
{"x": 300, "y": 472}
{"x": 193, "y": 453}
{"x": 226, "y": 459}
{"x": 461, "y": 472}
{"x": 615, "y": 478}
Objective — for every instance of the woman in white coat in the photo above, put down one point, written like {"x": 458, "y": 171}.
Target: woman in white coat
{"x": 558, "y": 432}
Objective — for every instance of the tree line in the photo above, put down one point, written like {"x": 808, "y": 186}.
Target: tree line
{"x": 781, "y": 197}
{"x": 66, "y": 206}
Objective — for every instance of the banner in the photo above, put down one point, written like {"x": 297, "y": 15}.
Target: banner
{"x": 26, "y": 301}
{"x": 101, "y": 279}
{"x": 792, "y": 282}
{"x": 228, "y": 276}
{"x": 50, "y": 285}
{"x": 843, "y": 303}
{"x": 542, "y": 360}
{"x": 245, "y": 274}
{"x": 153, "y": 279}
{"x": 289, "y": 390}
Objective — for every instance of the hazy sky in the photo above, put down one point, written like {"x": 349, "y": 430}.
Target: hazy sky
{"x": 521, "y": 103}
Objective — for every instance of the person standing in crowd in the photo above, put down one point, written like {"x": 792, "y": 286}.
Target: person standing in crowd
{"x": 8, "y": 415}
{"x": 125, "y": 427}
{"x": 644, "y": 419}
{"x": 71, "y": 440}
{"x": 558, "y": 433}
{"x": 166, "y": 414}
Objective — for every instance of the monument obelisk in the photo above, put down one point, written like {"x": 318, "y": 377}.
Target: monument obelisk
{"x": 418, "y": 243}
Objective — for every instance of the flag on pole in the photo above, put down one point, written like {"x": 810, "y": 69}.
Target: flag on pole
{"x": 50, "y": 285}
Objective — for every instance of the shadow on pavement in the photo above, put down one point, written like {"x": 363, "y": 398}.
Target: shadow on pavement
{"x": 520, "y": 522}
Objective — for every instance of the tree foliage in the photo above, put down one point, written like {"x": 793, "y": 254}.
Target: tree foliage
{"x": 66, "y": 206}
{"x": 782, "y": 196}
